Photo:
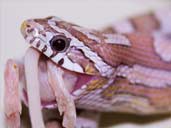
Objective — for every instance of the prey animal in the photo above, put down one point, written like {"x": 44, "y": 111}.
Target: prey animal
{"x": 124, "y": 68}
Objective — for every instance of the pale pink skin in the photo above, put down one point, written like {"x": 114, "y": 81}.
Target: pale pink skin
{"x": 12, "y": 97}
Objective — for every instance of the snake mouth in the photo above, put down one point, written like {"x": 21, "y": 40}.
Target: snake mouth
{"x": 72, "y": 81}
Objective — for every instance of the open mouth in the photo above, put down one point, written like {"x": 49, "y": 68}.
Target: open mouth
{"x": 72, "y": 81}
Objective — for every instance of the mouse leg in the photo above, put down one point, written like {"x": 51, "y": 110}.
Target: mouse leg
{"x": 12, "y": 101}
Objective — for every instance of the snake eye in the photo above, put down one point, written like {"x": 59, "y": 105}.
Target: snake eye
{"x": 59, "y": 43}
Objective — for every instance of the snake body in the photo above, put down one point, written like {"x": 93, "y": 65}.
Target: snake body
{"x": 129, "y": 72}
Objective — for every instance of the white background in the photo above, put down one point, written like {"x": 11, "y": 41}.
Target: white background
{"x": 88, "y": 13}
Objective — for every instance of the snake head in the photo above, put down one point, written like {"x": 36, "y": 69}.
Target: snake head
{"x": 67, "y": 44}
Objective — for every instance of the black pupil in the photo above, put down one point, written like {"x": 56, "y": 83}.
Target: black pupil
{"x": 58, "y": 44}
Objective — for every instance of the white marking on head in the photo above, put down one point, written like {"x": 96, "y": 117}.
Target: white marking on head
{"x": 48, "y": 52}
{"x": 116, "y": 39}
{"x": 58, "y": 57}
{"x": 49, "y": 36}
{"x": 72, "y": 66}
{"x": 38, "y": 26}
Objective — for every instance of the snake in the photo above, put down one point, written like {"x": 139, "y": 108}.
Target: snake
{"x": 125, "y": 67}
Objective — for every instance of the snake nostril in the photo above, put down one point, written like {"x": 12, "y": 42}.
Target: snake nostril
{"x": 30, "y": 30}
{"x": 28, "y": 25}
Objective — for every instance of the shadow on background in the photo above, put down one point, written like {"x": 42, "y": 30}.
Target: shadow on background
{"x": 108, "y": 119}
{"x": 112, "y": 119}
